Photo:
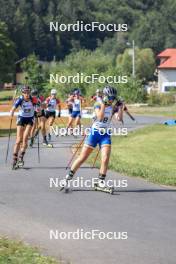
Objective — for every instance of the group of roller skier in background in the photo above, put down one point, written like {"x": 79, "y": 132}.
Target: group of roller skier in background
{"x": 38, "y": 114}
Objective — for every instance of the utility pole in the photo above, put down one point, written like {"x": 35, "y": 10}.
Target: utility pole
{"x": 133, "y": 57}
{"x": 133, "y": 60}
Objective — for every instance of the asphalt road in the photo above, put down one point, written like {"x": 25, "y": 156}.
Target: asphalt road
{"x": 30, "y": 209}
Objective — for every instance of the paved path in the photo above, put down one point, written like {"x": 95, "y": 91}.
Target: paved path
{"x": 29, "y": 209}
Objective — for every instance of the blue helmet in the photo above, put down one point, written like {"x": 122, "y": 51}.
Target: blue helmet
{"x": 25, "y": 89}
{"x": 110, "y": 91}
{"x": 77, "y": 91}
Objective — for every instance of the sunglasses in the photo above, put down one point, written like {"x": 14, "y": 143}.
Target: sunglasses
{"x": 111, "y": 98}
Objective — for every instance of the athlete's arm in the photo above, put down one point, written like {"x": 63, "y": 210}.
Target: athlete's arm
{"x": 16, "y": 105}
{"x": 12, "y": 111}
{"x": 120, "y": 113}
{"x": 47, "y": 101}
{"x": 99, "y": 111}
{"x": 93, "y": 98}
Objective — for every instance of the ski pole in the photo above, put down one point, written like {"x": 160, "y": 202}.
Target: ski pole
{"x": 70, "y": 161}
{"x": 38, "y": 143}
{"x": 10, "y": 127}
{"x": 132, "y": 118}
{"x": 9, "y": 135}
{"x": 93, "y": 166}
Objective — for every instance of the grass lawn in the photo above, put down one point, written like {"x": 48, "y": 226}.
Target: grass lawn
{"x": 12, "y": 252}
{"x": 6, "y": 95}
{"x": 149, "y": 153}
{"x": 168, "y": 111}
{"x": 5, "y": 124}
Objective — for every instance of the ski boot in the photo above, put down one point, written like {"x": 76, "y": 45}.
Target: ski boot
{"x": 15, "y": 162}
{"x": 20, "y": 161}
{"x": 100, "y": 185}
{"x": 46, "y": 143}
{"x": 65, "y": 183}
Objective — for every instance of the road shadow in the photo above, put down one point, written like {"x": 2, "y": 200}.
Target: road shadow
{"x": 146, "y": 190}
{"x": 118, "y": 192}
{"x": 50, "y": 168}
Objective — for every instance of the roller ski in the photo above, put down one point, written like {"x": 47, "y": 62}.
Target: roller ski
{"x": 20, "y": 162}
{"x": 47, "y": 144}
{"x": 15, "y": 163}
{"x": 65, "y": 183}
{"x": 100, "y": 186}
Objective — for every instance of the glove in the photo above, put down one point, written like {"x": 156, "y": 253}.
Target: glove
{"x": 59, "y": 114}
{"x": 105, "y": 100}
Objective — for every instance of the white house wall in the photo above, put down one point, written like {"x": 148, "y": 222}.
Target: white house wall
{"x": 166, "y": 78}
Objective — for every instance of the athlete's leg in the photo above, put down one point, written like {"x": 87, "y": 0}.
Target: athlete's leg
{"x": 70, "y": 124}
{"x": 33, "y": 128}
{"x": 26, "y": 134}
{"x": 43, "y": 126}
{"x": 78, "y": 122}
{"x": 33, "y": 132}
{"x": 105, "y": 155}
{"x": 86, "y": 151}
{"x": 43, "y": 130}
{"x": 50, "y": 122}
{"x": 19, "y": 139}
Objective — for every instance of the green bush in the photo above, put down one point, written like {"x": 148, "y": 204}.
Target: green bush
{"x": 161, "y": 99}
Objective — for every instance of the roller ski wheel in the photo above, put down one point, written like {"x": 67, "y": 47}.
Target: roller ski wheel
{"x": 105, "y": 189}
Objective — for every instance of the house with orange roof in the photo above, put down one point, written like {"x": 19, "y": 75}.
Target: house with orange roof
{"x": 167, "y": 70}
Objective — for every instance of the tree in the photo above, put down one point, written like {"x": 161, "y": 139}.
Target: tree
{"x": 7, "y": 55}
{"x": 35, "y": 73}
{"x": 144, "y": 63}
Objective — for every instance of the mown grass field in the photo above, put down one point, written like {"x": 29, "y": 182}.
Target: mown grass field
{"x": 148, "y": 153}
{"x": 6, "y": 95}
{"x": 168, "y": 111}
{"x": 12, "y": 252}
{"x": 5, "y": 124}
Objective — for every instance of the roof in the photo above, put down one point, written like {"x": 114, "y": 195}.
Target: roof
{"x": 169, "y": 59}
{"x": 169, "y": 63}
{"x": 167, "y": 53}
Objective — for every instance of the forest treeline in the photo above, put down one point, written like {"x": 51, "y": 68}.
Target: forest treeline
{"x": 24, "y": 27}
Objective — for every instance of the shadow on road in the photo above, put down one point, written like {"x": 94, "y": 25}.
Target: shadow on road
{"x": 117, "y": 192}
{"x": 50, "y": 168}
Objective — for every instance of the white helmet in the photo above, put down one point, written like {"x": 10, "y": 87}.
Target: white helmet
{"x": 98, "y": 91}
{"x": 53, "y": 91}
